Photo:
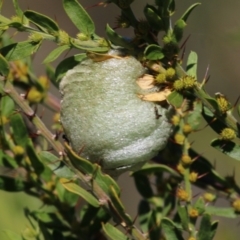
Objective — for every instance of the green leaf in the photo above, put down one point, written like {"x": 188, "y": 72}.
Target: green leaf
{"x": 20, "y": 133}
{"x": 144, "y": 213}
{"x": 118, "y": 206}
{"x": 170, "y": 230}
{"x": 194, "y": 118}
{"x": 214, "y": 229}
{"x": 74, "y": 188}
{"x": 16, "y": 184}
{"x": 221, "y": 211}
{"x": 178, "y": 29}
{"x": 192, "y": 64}
{"x": 90, "y": 45}
{"x": 183, "y": 214}
{"x": 200, "y": 205}
{"x": 56, "y": 165}
{"x": 117, "y": 39}
{"x": 7, "y": 106}
{"x": 33, "y": 156}
{"x": 19, "y": 50}
{"x": 188, "y": 11}
{"x": 143, "y": 185}
{"x": 229, "y": 148}
{"x": 68, "y": 64}
{"x": 4, "y": 67}
{"x": 79, "y": 17}
{"x": 205, "y": 229}
{"x": 55, "y": 53}
{"x": 45, "y": 23}
{"x": 153, "y": 18}
{"x": 175, "y": 99}
{"x": 19, "y": 12}
{"x": 113, "y": 233}
{"x": 151, "y": 168}
{"x": 12, "y": 235}
{"x": 153, "y": 52}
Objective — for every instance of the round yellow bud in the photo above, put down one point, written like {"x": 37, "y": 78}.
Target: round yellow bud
{"x": 189, "y": 82}
{"x": 82, "y": 37}
{"x": 182, "y": 195}
{"x": 34, "y": 96}
{"x": 178, "y": 85}
{"x": 180, "y": 168}
{"x": 175, "y": 120}
{"x": 44, "y": 81}
{"x": 209, "y": 197}
{"x": 227, "y": 134}
{"x": 193, "y": 177}
{"x": 186, "y": 160}
{"x": 187, "y": 129}
{"x": 236, "y": 205}
{"x": 56, "y": 117}
{"x": 3, "y": 120}
{"x": 18, "y": 150}
{"x": 161, "y": 78}
{"x": 193, "y": 213}
{"x": 179, "y": 138}
{"x": 170, "y": 73}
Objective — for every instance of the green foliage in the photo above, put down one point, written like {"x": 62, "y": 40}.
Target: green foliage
{"x": 35, "y": 161}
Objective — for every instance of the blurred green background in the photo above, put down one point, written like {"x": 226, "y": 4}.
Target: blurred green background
{"x": 214, "y": 29}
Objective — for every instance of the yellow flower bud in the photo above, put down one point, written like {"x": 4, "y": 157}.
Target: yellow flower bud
{"x": 193, "y": 213}
{"x": 186, "y": 160}
{"x": 18, "y": 150}
{"x": 193, "y": 177}
{"x": 179, "y": 138}
{"x": 35, "y": 96}
{"x": 209, "y": 197}
{"x": 170, "y": 73}
{"x": 182, "y": 195}
{"x": 175, "y": 120}
{"x": 228, "y": 134}
{"x": 187, "y": 129}
{"x": 236, "y": 205}
{"x": 161, "y": 78}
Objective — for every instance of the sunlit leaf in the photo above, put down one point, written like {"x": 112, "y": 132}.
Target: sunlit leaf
{"x": 79, "y": 16}
{"x": 45, "y": 23}
{"x": 192, "y": 64}
{"x": 53, "y": 55}
{"x": 153, "y": 52}
{"x": 113, "y": 233}
{"x": 19, "y": 50}
{"x": 75, "y": 188}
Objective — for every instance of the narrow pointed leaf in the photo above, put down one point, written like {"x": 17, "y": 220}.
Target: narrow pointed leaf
{"x": 4, "y": 67}
{"x": 153, "y": 18}
{"x": 149, "y": 169}
{"x": 43, "y": 22}
{"x": 55, "y": 53}
{"x": 205, "y": 231}
{"x": 33, "y": 156}
{"x": 188, "y": 11}
{"x": 79, "y": 16}
{"x": 56, "y": 165}
{"x": 200, "y": 205}
{"x": 144, "y": 214}
{"x": 116, "y": 39}
{"x": 19, "y": 50}
{"x": 175, "y": 99}
{"x": 20, "y": 133}
{"x": 192, "y": 64}
{"x": 19, "y": 12}
{"x": 7, "y": 106}
{"x": 195, "y": 115}
{"x": 113, "y": 233}
{"x": 75, "y": 188}
{"x": 221, "y": 211}
{"x": 170, "y": 230}
{"x": 183, "y": 214}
